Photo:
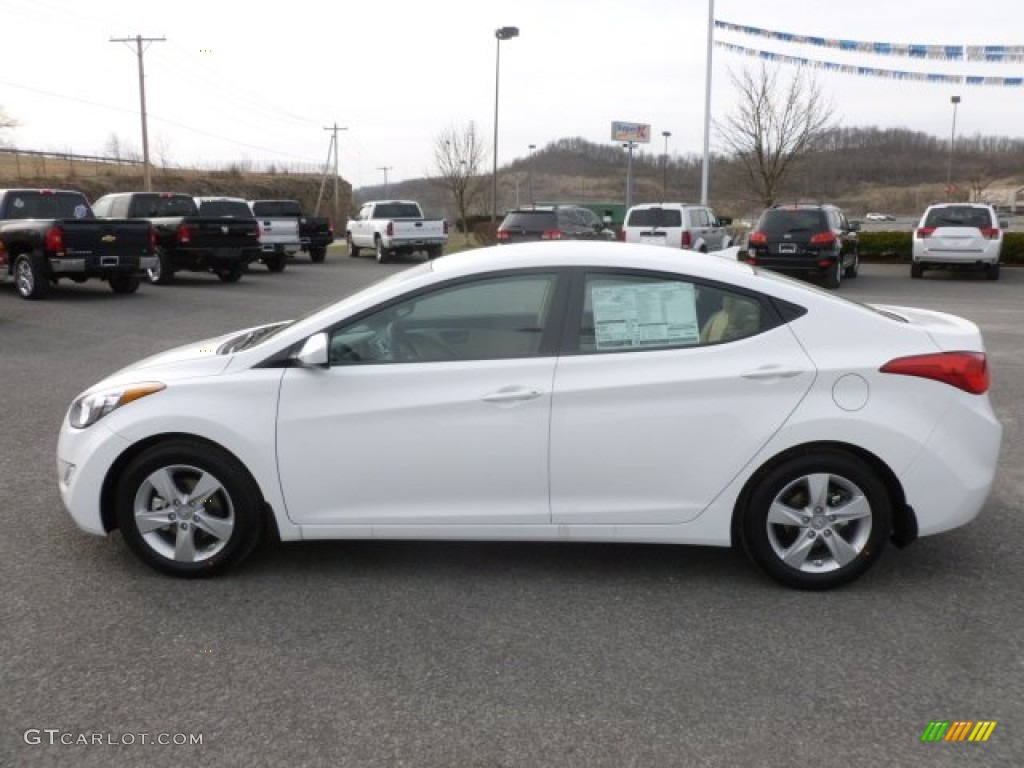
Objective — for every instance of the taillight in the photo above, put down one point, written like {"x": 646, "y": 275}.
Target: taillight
{"x": 964, "y": 370}
{"x": 390, "y": 229}
{"x": 823, "y": 238}
{"x": 924, "y": 232}
{"x": 152, "y": 239}
{"x": 757, "y": 238}
{"x": 686, "y": 240}
{"x": 503, "y": 235}
{"x": 184, "y": 233}
{"x": 330, "y": 225}
{"x": 989, "y": 234}
{"x": 551, "y": 234}
{"x": 446, "y": 226}
{"x": 55, "y": 239}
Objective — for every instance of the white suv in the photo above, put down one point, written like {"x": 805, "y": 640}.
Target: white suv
{"x": 676, "y": 225}
{"x": 958, "y": 236}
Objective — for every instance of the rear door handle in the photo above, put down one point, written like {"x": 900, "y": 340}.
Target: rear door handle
{"x": 511, "y": 395}
{"x": 768, "y": 372}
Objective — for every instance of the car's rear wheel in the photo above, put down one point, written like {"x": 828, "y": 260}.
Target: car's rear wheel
{"x": 317, "y": 255}
{"x": 30, "y": 276}
{"x": 992, "y": 271}
{"x": 916, "y": 270}
{"x": 434, "y": 252}
{"x": 382, "y": 253}
{"x": 163, "y": 272}
{"x": 353, "y": 249}
{"x": 188, "y": 508}
{"x": 854, "y": 269}
{"x": 818, "y": 520}
{"x": 230, "y": 274}
{"x": 834, "y": 276}
{"x": 124, "y": 283}
{"x": 276, "y": 263}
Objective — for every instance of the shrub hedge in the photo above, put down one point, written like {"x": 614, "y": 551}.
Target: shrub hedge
{"x": 896, "y": 246}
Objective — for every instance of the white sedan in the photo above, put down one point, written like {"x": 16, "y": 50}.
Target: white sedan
{"x": 563, "y": 391}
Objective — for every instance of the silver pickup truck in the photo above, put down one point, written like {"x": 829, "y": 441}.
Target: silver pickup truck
{"x": 394, "y": 227}
{"x": 279, "y": 235}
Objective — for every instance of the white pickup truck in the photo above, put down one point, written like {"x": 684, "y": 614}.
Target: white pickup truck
{"x": 279, "y": 235}
{"x": 393, "y": 227}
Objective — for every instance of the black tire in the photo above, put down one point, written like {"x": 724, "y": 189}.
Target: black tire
{"x": 317, "y": 255}
{"x": 201, "y": 536}
{"x": 276, "y": 263}
{"x": 382, "y": 255}
{"x": 230, "y": 274}
{"x": 124, "y": 283}
{"x": 163, "y": 274}
{"x": 854, "y": 269}
{"x": 435, "y": 252}
{"x": 992, "y": 272}
{"x": 916, "y": 270}
{"x": 353, "y": 249}
{"x": 834, "y": 278}
{"x": 31, "y": 276}
{"x": 817, "y": 499}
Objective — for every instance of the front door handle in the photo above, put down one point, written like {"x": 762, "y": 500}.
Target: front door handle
{"x": 771, "y": 372}
{"x": 511, "y": 395}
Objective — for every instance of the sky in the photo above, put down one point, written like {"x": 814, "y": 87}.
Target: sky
{"x": 259, "y": 83}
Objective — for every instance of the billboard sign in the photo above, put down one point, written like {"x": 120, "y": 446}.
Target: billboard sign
{"x": 635, "y": 132}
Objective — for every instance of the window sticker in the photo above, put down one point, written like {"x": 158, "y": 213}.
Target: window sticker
{"x": 645, "y": 315}
{"x": 81, "y": 211}
{"x": 18, "y": 203}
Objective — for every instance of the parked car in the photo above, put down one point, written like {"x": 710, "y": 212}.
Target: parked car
{"x": 51, "y": 234}
{"x": 676, "y": 225}
{"x": 184, "y": 239}
{"x": 279, "y": 234}
{"x": 810, "y": 240}
{"x": 879, "y": 217}
{"x": 560, "y": 222}
{"x": 315, "y": 232}
{"x": 958, "y": 236}
{"x": 395, "y": 228}
{"x": 566, "y": 391}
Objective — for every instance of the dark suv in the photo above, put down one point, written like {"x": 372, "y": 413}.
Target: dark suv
{"x": 813, "y": 240}
{"x": 563, "y": 222}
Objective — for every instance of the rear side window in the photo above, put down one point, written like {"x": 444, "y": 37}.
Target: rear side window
{"x": 655, "y": 217}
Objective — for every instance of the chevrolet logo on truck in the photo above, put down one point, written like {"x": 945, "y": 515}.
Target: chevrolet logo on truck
{"x": 109, "y": 238}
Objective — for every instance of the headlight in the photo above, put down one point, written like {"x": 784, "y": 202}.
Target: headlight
{"x": 93, "y": 406}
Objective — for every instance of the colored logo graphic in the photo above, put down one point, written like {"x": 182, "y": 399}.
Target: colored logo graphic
{"x": 958, "y": 730}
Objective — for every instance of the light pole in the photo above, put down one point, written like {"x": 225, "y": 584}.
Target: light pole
{"x": 385, "y": 168}
{"x": 502, "y": 33}
{"x": 954, "y": 100}
{"x": 628, "y": 146}
{"x": 664, "y": 168}
{"x": 530, "y": 174}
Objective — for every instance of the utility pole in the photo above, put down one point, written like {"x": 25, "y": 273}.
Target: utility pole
{"x": 147, "y": 176}
{"x": 334, "y": 143}
{"x": 385, "y": 168}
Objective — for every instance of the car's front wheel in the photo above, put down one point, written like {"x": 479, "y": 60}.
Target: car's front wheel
{"x": 188, "y": 508}
{"x": 818, "y": 520}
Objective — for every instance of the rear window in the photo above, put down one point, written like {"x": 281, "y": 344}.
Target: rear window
{"x": 155, "y": 206}
{"x": 398, "y": 211}
{"x": 47, "y": 205}
{"x": 782, "y": 221}
{"x": 530, "y": 221}
{"x": 237, "y": 209}
{"x": 959, "y": 216}
{"x": 655, "y": 217}
{"x": 279, "y": 208}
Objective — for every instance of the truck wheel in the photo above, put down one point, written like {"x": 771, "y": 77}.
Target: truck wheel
{"x": 382, "y": 254}
{"x": 163, "y": 272}
{"x": 277, "y": 263}
{"x": 435, "y": 251}
{"x": 30, "y": 276}
{"x": 124, "y": 283}
{"x": 317, "y": 255}
{"x": 230, "y": 274}
{"x": 353, "y": 249}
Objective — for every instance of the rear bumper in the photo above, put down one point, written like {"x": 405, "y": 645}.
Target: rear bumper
{"x": 96, "y": 265}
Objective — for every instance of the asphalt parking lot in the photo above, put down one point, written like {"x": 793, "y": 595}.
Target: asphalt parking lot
{"x": 437, "y": 654}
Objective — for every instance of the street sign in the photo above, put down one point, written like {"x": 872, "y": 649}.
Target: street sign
{"x": 636, "y": 132}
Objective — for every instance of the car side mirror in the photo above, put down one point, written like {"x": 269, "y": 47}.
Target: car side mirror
{"x": 1004, "y": 223}
{"x": 314, "y": 352}
{"x": 855, "y": 226}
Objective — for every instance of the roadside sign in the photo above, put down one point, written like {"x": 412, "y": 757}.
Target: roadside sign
{"x": 635, "y": 132}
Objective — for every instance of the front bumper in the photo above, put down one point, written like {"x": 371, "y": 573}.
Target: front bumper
{"x": 84, "y": 458}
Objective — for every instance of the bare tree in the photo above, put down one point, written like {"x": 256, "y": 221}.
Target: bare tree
{"x": 458, "y": 155}
{"x": 6, "y": 124}
{"x": 774, "y": 126}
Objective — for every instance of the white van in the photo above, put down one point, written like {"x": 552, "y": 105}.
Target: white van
{"x": 676, "y": 225}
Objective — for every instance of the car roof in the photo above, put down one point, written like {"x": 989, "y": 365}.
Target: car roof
{"x": 645, "y": 206}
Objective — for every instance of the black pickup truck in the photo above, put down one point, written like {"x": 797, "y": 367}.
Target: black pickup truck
{"x": 184, "y": 239}
{"x": 315, "y": 232}
{"x": 49, "y": 234}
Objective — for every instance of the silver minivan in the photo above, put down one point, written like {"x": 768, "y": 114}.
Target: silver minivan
{"x": 676, "y": 225}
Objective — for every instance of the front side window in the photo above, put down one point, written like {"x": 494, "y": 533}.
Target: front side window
{"x": 490, "y": 319}
{"x": 637, "y": 312}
